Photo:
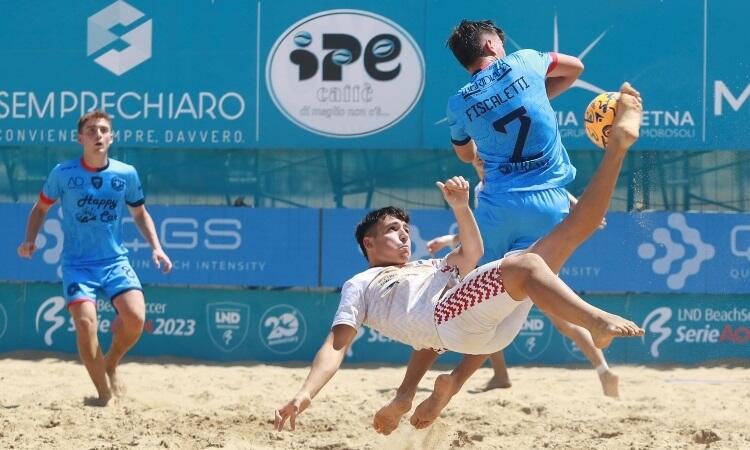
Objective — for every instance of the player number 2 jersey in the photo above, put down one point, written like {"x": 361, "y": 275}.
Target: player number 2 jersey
{"x": 506, "y": 111}
{"x": 93, "y": 203}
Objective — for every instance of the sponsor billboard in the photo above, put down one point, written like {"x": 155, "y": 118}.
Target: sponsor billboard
{"x": 637, "y": 252}
{"x": 375, "y": 75}
{"x": 272, "y": 326}
{"x": 207, "y": 245}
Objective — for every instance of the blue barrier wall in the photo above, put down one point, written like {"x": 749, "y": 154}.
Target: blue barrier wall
{"x": 638, "y": 252}
{"x": 232, "y": 325}
{"x": 296, "y": 74}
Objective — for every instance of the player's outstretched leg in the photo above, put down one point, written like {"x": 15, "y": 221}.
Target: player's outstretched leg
{"x": 527, "y": 275}
{"x": 557, "y": 246}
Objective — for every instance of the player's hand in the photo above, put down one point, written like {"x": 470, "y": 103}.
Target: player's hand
{"x": 455, "y": 191}
{"x": 161, "y": 260}
{"x": 439, "y": 243}
{"x": 26, "y": 249}
{"x": 290, "y": 411}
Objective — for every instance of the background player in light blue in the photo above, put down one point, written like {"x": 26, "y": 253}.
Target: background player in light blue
{"x": 93, "y": 191}
{"x": 503, "y": 117}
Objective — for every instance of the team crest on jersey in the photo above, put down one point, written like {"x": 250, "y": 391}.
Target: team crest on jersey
{"x": 118, "y": 184}
{"x": 96, "y": 182}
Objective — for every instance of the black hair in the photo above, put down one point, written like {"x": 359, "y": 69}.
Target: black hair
{"x": 466, "y": 40}
{"x": 365, "y": 226}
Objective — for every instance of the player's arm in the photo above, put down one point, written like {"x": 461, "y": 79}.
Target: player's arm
{"x": 327, "y": 361}
{"x": 456, "y": 194}
{"x": 564, "y": 71}
{"x": 33, "y": 224}
{"x": 145, "y": 225}
{"x": 463, "y": 144}
{"x": 466, "y": 152}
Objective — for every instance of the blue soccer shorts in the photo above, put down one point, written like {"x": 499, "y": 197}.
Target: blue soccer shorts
{"x": 515, "y": 220}
{"x": 81, "y": 283}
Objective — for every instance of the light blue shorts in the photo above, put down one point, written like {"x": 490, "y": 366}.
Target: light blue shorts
{"x": 81, "y": 283}
{"x": 515, "y": 220}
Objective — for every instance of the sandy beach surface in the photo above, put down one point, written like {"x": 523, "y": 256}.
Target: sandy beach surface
{"x": 190, "y": 405}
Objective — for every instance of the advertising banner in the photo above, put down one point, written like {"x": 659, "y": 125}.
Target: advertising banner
{"x": 352, "y": 74}
{"x": 207, "y": 245}
{"x": 276, "y": 326}
{"x": 636, "y": 252}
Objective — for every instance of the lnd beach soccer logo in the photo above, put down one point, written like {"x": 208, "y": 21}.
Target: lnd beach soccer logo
{"x": 345, "y": 73}
{"x": 227, "y": 324}
{"x": 103, "y": 42}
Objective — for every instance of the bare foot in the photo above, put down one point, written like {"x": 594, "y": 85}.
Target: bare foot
{"x": 610, "y": 326}
{"x": 430, "y": 409}
{"x": 610, "y": 384}
{"x": 115, "y": 383}
{"x": 494, "y": 383}
{"x": 627, "y": 121}
{"x": 388, "y": 417}
{"x": 101, "y": 401}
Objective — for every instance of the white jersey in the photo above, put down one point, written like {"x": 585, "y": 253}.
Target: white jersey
{"x": 398, "y": 301}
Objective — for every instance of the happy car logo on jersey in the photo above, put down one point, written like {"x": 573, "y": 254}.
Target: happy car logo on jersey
{"x": 535, "y": 335}
{"x": 100, "y": 36}
{"x": 227, "y": 324}
{"x": 345, "y": 73}
{"x": 96, "y": 182}
{"x": 283, "y": 329}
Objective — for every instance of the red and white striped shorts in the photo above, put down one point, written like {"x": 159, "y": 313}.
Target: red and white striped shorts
{"x": 477, "y": 316}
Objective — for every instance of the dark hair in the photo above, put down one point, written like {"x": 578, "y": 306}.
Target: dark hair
{"x": 96, "y": 114}
{"x": 365, "y": 226}
{"x": 466, "y": 40}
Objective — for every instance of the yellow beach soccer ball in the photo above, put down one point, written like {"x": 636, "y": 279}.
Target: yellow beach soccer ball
{"x": 599, "y": 116}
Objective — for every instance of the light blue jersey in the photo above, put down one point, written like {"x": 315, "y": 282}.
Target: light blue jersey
{"x": 93, "y": 203}
{"x": 505, "y": 110}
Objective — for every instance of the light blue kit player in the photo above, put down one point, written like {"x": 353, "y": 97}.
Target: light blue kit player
{"x": 504, "y": 118}
{"x": 93, "y": 192}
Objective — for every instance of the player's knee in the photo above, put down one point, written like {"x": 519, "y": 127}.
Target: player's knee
{"x": 85, "y": 325}
{"x": 133, "y": 320}
{"x": 520, "y": 268}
